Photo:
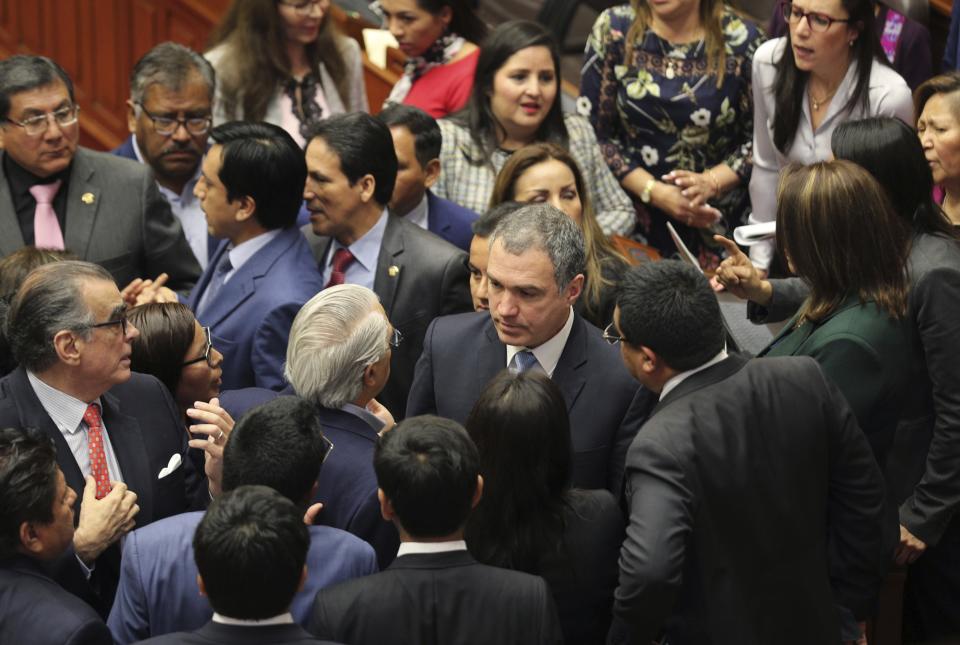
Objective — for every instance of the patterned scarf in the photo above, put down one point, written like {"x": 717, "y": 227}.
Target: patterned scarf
{"x": 310, "y": 111}
{"x": 441, "y": 52}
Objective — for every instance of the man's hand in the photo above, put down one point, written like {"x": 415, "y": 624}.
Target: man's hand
{"x": 141, "y": 292}
{"x": 739, "y": 276}
{"x": 376, "y": 408}
{"x": 103, "y": 521}
{"x": 911, "y": 547}
{"x": 216, "y": 424}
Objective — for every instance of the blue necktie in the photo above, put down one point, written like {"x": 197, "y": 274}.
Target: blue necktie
{"x": 523, "y": 361}
{"x": 216, "y": 282}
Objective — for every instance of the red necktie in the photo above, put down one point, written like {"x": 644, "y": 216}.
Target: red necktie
{"x": 98, "y": 458}
{"x": 342, "y": 258}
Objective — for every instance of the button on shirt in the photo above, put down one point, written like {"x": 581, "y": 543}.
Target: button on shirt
{"x": 547, "y": 353}
{"x": 66, "y": 413}
{"x": 186, "y": 208}
{"x": 366, "y": 253}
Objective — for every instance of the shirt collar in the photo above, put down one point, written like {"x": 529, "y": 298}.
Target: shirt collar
{"x": 370, "y": 418}
{"x": 547, "y": 353}
{"x": 282, "y": 619}
{"x": 420, "y": 214}
{"x": 241, "y": 253}
{"x": 366, "y": 250}
{"x": 677, "y": 379}
{"x": 409, "y": 548}
{"x": 186, "y": 195}
{"x": 64, "y": 410}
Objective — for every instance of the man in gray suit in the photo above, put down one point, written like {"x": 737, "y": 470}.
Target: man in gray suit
{"x": 351, "y": 170}
{"x": 55, "y": 194}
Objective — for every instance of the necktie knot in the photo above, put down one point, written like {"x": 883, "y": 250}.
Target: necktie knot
{"x": 47, "y": 233}
{"x": 44, "y": 193}
{"x": 524, "y": 360}
{"x": 342, "y": 258}
{"x": 92, "y": 416}
{"x": 224, "y": 266}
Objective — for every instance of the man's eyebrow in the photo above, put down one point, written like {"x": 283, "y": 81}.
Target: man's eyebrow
{"x": 119, "y": 310}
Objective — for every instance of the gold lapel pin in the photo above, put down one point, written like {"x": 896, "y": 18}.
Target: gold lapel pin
{"x": 87, "y": 198}
{"x": 393, "y": 271}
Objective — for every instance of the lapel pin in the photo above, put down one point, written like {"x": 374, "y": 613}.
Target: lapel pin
{"x": 393, "y": 271}
{"x": 87, "y": 198}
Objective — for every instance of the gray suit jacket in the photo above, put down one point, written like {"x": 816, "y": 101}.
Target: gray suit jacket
{"x": 116, "y": 218}
{"x": 419, "y": 277}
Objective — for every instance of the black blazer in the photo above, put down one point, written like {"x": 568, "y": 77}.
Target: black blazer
{"x": 213, "y": 633}
{"x": 755, "y": 505}
{"x": 145, "y": 430}
{"x": 36, "y": 610}
{"x": 419, "y": 277}
{"x": 461, "y": 354}
{"x": 438, "y": 599}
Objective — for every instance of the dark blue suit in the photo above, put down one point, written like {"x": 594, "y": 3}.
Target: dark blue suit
{"x": 462, "y": 353}
{"x": 34, "y": 609}
{"x": 450, "y": 221}
{"x": 250, "y": 316}
{"x": 158, "y": 590}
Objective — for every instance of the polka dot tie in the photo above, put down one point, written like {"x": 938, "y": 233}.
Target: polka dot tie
{"x": 98, "y": 458}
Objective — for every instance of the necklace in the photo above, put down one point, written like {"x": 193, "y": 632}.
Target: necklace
{"x": 672, "y": 63}
{"x": 817, "y": 103}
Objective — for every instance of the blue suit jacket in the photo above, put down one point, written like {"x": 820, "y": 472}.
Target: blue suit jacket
{"x": 158, "y": 590}
{"x": 462, "y": 353}
{"x": 450, "y": 221}
{"x": 250, "y": 316}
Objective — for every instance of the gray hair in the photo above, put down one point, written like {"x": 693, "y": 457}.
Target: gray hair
{"x": 49, "y": 301}
{"x": 334, "y": 338}
{"x": 548, "y": 229}
{"x": 170, "y": 65}
{"x": 23, "y": 72}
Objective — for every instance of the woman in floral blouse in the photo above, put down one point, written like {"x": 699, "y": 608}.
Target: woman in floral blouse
{"x": 667, "y": 89}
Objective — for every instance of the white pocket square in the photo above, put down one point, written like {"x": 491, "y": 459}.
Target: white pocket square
{"x": 174, "y": 463}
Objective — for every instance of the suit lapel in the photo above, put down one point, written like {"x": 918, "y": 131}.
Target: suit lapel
{"x": 128, "y": 445}
{"x": 11, "y": 237}
{"x": 491, "y": 356}
{"x": 389, "y": 266}
{"x": 83, "y": 200}
{"x": 567, "y": 374}
{"x": 194, "y": 300}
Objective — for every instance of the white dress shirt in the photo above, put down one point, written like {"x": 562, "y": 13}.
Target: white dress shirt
{"x": 282, "y": 619}
{"x": 547, "y": 353}
{"x": 408, "y": 548}
{"x": 677, "y": 379}
{"x": 420, "y": 214}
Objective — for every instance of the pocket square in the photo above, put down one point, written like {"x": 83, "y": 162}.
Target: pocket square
{"x": 174, "y": 463}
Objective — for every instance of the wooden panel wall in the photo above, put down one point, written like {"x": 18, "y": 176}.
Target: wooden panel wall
{"x": 98, "y": 41}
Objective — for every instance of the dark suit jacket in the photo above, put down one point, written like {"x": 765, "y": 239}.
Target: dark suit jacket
{"x": 36, "y": 610}
{"x": 450, "y": 221}
{"x": 430, "y": 280}
{"x": 438, "y": 599}
{"x": 347, "y": 485}
{"x": 250, "y": 317}
{"x": 145, "y": 430}
{"x": 755, "y": 505}
{"x": 217, "y": 633}
{"x": 158, "y": 580}
{"x": 127, "y": 227}
{"x": 461, "y": 354}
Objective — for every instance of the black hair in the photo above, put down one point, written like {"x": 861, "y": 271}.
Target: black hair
{"x": 502, "y": 43}
{"x": 279, "y": 444}
{"x": 486, "y": 224}
{"x": 522, "y": 432}
{"x": 364, "y": 146}
{"x": 24, "y": 72}
{"x": 427, "y": 137}
{"x": 427, "y": 467}
{"x": 250, "y": 548}
{"x": 464, "y": 21}
{"x": 28, "y": 484}
{"x": 262, "y": 161}
{"x": 890, "y": 150}
{"x": 789, "y": 88}
{"x": 669, "y": 307}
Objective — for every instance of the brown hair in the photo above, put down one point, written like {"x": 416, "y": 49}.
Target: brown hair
{"x": 600, "y": 252}
{"x": 258, "y": 63}
{"x": 15, "y": 267}
{"x": 943, "y": 84}
{"x": 166, "y": 333}
{"x": 711, "y": 17}
{"x": 841, "y": 234}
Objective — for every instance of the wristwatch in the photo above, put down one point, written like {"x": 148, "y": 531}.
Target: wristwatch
{"x": 647, "y": 190}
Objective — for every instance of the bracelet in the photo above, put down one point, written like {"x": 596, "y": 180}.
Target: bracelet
{"x": 716, "y": 184}
{"x": 647, "y": 190}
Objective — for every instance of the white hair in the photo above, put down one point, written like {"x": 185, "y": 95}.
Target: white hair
{"x": 335, "y": 336}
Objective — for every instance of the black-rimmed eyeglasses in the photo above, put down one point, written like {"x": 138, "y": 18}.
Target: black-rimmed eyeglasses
{"x": 207, "y": 353}
{"x": 166, "y": 125}
{"x": 121, "y": 320}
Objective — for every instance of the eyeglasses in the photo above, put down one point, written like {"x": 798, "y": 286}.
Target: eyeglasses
{"x": 122, "y": 321}
{"x": 208, "y": 345}
{"x": 165, "y": 125}
{"x": 37, "y": 125}
{"x": 328, "y": 448}
{"x": 304, "y": 7}
{"x": 819, "y": 22}
{"x": 611, "y": 336}
{"x": 395, "y": 338}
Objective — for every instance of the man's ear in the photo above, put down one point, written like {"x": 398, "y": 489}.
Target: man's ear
{"x": 201, "y": 586}
{"x": 574, "y": 288}
{"x": 131, "y": 117}
{"x": 248, "y": 206}
{"x": 29, "y": 539}
{"x": 478, "y": 492}
{"x": 650, "y": 362}
{"x": 368, "y": 185}
{"x": 432, "y": 170}
{"x": 303, "y": 578}
{"x": 386, "y": 508}
{"x": 68, "y": 346}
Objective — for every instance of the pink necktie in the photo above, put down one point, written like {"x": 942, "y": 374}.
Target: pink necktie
{"x": 46, "y": 228}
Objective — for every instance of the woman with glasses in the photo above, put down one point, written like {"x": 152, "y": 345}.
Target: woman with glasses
{"x": 666, "y": 86}
{"x": 284, "y": 62}
{"x": 828, "y": 69}
{"x": 439, "y": 38}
